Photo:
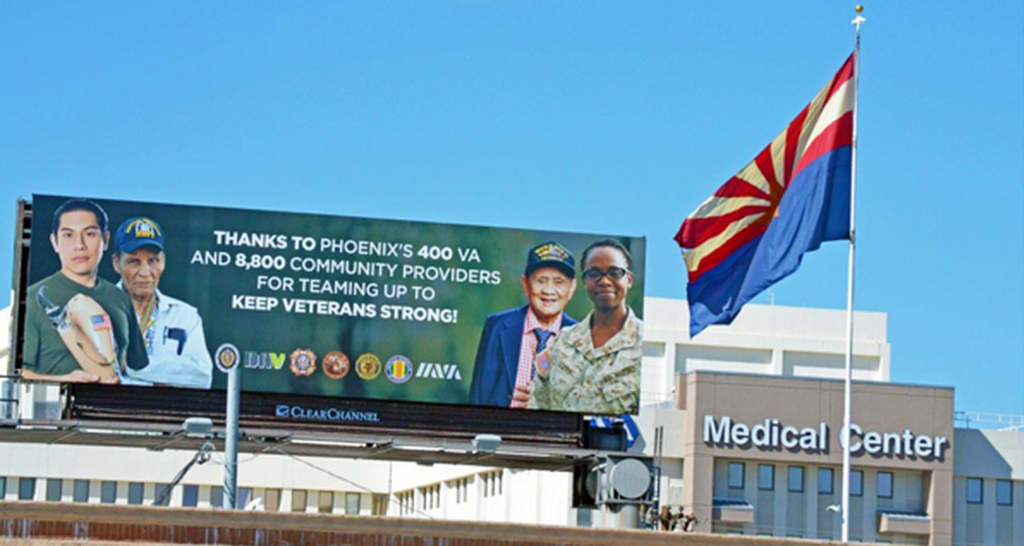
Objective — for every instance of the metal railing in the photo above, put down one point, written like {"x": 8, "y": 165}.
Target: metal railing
{"x": 989, "y": 421}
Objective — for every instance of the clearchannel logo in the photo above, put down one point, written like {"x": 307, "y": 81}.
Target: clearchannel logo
{"x": 335, "y": 415}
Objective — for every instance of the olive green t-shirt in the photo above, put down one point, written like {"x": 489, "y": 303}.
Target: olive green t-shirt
{"x": 45, "y": 351}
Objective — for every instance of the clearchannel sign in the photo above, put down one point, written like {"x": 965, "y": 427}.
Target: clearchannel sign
{"x": 772, "y": 434}
{"x": 153, "y": 294}
{"x": 330, "y": 414}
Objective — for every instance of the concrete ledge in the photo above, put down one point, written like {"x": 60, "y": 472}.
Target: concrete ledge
{"x": 733, "y": 514}
{"x": 907, "y": 524}
{"x": 53, "y": 524}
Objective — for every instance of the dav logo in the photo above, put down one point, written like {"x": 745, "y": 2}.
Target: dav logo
{"x": 264, "y": 361}
{"x": 433, "y": 370}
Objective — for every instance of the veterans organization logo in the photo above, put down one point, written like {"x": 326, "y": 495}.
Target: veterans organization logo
{"x": 438, "y": 370}
{"x": 398, "y": 369}
{"x": 336, "y": 364}
{"x": 303, "y": 362}
{"x": 368, "y": 366}
{"x": 226, "y": 357}
{"x": 264, "y": 361}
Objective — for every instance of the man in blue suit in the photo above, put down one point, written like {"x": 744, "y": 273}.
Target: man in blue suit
{"x": 511, "y": 340}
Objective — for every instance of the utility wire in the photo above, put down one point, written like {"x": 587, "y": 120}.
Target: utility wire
{"x": 277, "y": 449}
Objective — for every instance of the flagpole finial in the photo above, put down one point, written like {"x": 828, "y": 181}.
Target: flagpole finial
{"x": 858, "y": 20}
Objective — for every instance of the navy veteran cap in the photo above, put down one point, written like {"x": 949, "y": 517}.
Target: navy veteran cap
{"x": 136, "y": 233}
{"x": 551, "y": 254}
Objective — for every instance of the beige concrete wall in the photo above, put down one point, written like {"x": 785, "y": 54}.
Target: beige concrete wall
{"x": 807, "y": 402}
{"x": 919, "y": 484}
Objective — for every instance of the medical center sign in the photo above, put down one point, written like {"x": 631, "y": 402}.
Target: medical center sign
{"x": 771, "y": 434}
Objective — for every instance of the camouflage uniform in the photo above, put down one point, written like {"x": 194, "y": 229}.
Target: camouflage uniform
{"x": 580, "y": 377}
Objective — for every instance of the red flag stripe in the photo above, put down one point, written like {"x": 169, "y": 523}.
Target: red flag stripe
{"x": 719, "y": 255}
{"x": 836, "y": 135}
{"x": 695, "y": 231}
{"x": 792, "y": 141}
{"x": 738, "y": 187}
{"x": 766, "y": 164}
{"x": 841, "y": 77}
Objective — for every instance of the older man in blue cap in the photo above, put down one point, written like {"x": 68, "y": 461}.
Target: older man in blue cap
{"x": 172, "y": 329}
{"x": 507, "y": 357}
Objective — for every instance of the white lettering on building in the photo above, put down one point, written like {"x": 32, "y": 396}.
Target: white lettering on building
{"x": 772, "y": 434}
{"x": 892, "y": 444}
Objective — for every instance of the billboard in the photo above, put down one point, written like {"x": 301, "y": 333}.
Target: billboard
{"x": 143, "y": 294}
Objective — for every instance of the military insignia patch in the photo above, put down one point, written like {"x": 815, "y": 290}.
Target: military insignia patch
{"x": 542, "y": 363}
{"x": 552, "y": 251}
{"x": 368, "y": 366}
{"x": 336, "y": 365}
{"x": 303, "y": 362}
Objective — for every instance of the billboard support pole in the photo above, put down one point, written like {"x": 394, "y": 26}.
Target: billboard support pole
{"x": 231, "y": 438}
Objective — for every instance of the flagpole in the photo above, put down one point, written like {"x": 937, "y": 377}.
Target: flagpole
{"x": 848, "y": 384}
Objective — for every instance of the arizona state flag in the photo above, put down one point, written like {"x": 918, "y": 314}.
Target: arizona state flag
{"x": 756, "y": 228}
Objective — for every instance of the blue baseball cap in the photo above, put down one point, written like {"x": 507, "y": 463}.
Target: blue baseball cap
{"x": 135, "y": 233}
{"x": 551, "y": 254}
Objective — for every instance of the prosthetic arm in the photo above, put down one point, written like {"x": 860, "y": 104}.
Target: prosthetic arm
{"x": 87, "y": 331}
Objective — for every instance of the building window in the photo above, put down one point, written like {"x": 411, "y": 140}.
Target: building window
{"x": 135, "y": 492}
{"x": 492, "y": 483}
{"x": 108, "y": 492}
{"x": 766, "y": 477}
{"x": 856, "y": 483}
{"x": 163, "y": 498}
{"x": 3, "y": 487}
{"x": 796, "y": 479}
{"x": 54, "y": 490}
{"x": 325, "y": 503}
{"x": 884, "y": 483}
{"x": 430, "y": 497}
{"x": 826, "y": 478}
{"x": 26, "y": 488}
{"x": 80, "y": 493}
{"x": 190, "y": 495}
{"x": 272, "y": 500}
{"x": 975, "y": 490}
{"x": 1004, "y": 492}
{"x": 298, "y": 500}
{"x": 461, "y": 487}
{"x": 736, "y": 471}
{"x": 379, "y": 505}
{"x": 244, "y": 496}
{"x": 405, "y": 502}
{"x": 353, "y": 503}
{"x": 217, "y": 496}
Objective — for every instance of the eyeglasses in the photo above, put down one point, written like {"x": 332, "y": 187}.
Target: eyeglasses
{"x": 614, "y": 273}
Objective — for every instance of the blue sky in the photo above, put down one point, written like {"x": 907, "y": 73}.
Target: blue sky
{"x": 604, "y": 117}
